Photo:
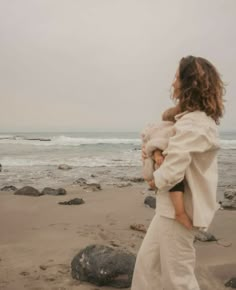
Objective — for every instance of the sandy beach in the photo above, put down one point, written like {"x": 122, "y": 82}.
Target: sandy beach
{"x": 39, "y": 237}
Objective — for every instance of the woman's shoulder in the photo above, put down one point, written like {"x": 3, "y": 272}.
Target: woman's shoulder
{"x": 199, "y": 118}
{"x": 197, "y": 121}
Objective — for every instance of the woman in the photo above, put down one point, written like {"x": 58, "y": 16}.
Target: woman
{"x": 166, "y": 257}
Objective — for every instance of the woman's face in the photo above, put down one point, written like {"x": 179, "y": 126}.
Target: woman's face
{"x": 176, "y": 85}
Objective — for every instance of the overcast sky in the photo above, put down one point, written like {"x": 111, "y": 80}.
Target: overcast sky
{"x": 106, "y": 65}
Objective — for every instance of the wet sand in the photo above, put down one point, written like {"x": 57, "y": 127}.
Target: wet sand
{"x": 39, "y": 237}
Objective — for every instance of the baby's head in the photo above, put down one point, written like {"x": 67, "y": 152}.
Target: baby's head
{"x": 169, "y": 114}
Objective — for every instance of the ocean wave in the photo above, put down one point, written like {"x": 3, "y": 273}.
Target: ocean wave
{"x": 228, "y": 144}
{"x": 66, "y": 141}
{"x": 74, "y": 162}
{"x": 78, "y": 141}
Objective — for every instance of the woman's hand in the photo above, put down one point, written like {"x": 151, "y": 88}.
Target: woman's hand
{"x": 152, "y": 184}
{"x": 158, "y": 157}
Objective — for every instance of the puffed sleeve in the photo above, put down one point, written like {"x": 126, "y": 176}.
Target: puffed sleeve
{"x": 190, "y": 138}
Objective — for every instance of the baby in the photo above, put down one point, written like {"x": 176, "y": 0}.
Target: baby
{"x": 154, "y": 141}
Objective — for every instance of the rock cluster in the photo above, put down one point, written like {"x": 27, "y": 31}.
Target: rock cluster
{"x": 90, "y": 185}
{"x": 31, "y": 191}
{"x": 9, "y": 188}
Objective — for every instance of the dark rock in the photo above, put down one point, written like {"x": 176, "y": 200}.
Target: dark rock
{"x": 229, "y": 201}
{"x": 28, "y": 190}
{"x": 150, "y": 201}
{"x": 104, "y": 266}
{"x": 205, "y": 237}
{"x": 73, "y": 201}
{"x": 52, "y": 191}
{"x": 92, "y": 175}
{"x": 37, "y": 139}
{"x": 231, "y": 283}
{"x": 137, "y": 179}
{"x": 24, "y": 273}
{"x": 43, "y": 267}
{"x": 9, "y": 188}
{"x": 80, "y": 181}
{"x": 138, "y": 227}
{"x": 132, "y": 179}
{"x": 0, "y": 167}
{"x": 92, "y": 186}
{"x": 64, "y": 167}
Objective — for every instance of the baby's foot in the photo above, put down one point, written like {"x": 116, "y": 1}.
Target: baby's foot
{"x": 184, "y": 220}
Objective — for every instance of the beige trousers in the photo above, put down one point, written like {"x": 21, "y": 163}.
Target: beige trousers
{"x": 166, "y": 258}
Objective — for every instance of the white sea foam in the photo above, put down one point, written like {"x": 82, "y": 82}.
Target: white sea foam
{"x": 228, "y": 144}
{"x": 81, "y": 162}
{"x": 67, "y": 141}
{"x": 77, "y": 141}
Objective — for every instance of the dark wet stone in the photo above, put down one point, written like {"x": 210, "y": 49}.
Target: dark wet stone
{"x": 64, "y": 167}
{"x": 231, "y": 283}
{"x": 132, "y": 179}
{"x": 29, "y": 191}
{"x": 9, "y": 188}
{"x": 37, "y": 139}
{"x": 80, "y": 181}
{"x": 52, "y": 191}
{"x": 74, "y": 201}
{"x": 138, "y": 227}
{"x": 205, "y": 237}
{"x": 103, "y": 266}
{"x": 92, "y": 186}
{"x": 229, "y": 201}
{"x": 24, "y": 273}
{"x": 150, "y": 201}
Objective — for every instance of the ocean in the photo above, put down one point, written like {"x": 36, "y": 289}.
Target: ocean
{"x": 34, "y": 157}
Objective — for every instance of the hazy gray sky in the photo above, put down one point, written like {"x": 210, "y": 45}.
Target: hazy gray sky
{"x": 106, "y": 64}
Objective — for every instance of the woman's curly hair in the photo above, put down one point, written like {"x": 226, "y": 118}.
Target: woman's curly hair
{"x": 201, "y": 87}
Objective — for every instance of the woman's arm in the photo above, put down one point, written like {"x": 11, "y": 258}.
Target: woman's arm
{"x": 189, "y": 138}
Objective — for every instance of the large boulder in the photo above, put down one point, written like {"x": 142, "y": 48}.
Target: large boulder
{"x": 104, "y": 266}
{"x": 52, "y": 191}
{"x": 28, "y": 190}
